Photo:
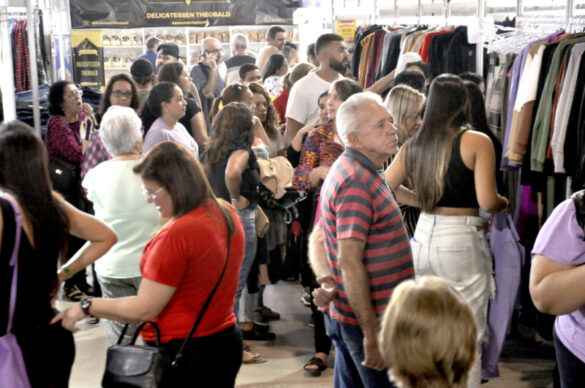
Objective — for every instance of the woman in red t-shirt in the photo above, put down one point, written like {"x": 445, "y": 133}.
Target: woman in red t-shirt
{"x": 180, "y": 266}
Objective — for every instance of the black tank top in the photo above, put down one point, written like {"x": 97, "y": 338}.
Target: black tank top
{"x": 459, "y": 181}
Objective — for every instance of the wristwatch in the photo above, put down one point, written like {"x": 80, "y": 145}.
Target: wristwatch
{"x": 85, "y": 304}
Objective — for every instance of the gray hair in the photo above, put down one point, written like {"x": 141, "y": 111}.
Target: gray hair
{"x": 240, "y": 41}
{"x": 204, "y": 43}
{"x": 120, "y": 130}
{"x": 349, "y": 116}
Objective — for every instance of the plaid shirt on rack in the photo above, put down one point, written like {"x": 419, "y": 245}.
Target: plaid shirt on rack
{"x": 22, "y": 77}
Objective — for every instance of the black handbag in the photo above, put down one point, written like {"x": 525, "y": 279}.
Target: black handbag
{"x": 142, "y": 366}
{"x": 134, "y": 365}
{"x": 64, "y": 175}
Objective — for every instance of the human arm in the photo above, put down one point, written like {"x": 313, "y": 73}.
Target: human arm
{"x": 236, "y": 165}
{"x": 318, "y": 259}
{"x": 292, "y": 127}
{"x": 199, "y": 129}
{"x": 297, "y": 142}
{"x": 309, "y": 161}
{"x": 484, "y": 171}
{"x": 151, "y": 299}
{"x": 356, "y": 284}
{"x": 556, "y": 288}
{"x": 383, "y": 84}
{"x": 100, "y": 238}
{"x": 208, "y": 89}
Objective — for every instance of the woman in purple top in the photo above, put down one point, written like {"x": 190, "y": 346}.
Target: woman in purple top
{"x": 557, "y": 286}
{"x": 161, "y": 113}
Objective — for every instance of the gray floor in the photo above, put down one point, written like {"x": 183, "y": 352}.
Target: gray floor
{"x": 522, "y": 365}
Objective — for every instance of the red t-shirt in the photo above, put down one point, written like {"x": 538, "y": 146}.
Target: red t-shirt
{"x": 280, "y": 104}
{"x": 189, "y": 254}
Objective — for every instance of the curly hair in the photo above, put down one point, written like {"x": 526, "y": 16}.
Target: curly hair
{"x": 272, "y": 117}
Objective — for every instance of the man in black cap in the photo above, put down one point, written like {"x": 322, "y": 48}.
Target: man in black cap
{"x": 167, "y": 52}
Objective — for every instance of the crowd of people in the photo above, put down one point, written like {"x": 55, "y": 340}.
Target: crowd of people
{"x": 393, "y": 258}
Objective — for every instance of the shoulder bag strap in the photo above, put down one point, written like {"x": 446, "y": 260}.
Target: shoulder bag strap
{"x": 179, "y": 354}
{"x": 14, "y": 261}
{"x": 579, "y": 201}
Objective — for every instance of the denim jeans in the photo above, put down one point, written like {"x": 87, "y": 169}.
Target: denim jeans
{"x": 571, "y": 369}
{"x": 455, "y": 248}
{"x": 118, "y": 288}
{"x": 248, "y": 218}
{"x": 349, "y": 355}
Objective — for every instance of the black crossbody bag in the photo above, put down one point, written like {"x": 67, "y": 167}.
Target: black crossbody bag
{"x": 142, "y": 365}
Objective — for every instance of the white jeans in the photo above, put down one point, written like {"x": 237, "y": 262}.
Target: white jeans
{"x": 455, "y": 248}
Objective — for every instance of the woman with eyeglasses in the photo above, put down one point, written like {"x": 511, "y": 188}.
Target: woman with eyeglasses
{"x": 120, "y": 91}
{"x": 115, "y": 192}
{"x": 64, "y": 145}
{"x": 180, "y": 267}
{"x": 164, "y": 108}
{"x": 193, "y": 121}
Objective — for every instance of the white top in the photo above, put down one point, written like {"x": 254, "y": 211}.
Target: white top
{"x": 160, "y": 131}
{"x": 273, "y": 85}
{"x": 302, "y": 103}
{"x": 564, "y": 107}
{"x": 116, "y": 193}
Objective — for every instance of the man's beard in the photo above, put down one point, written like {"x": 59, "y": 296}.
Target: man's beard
{"x": 338, "y": 66}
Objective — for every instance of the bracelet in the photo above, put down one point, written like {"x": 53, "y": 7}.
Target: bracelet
{"x": 234, "y": 200}
{"x": 67, "y": 271}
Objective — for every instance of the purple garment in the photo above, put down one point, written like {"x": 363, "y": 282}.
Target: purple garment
{"x": 561, "y": 240}
{"x": 508, "y": 261}
{"x": 160, "y": 131}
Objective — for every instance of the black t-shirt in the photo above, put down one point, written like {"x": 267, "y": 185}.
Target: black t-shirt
{"x": 192, "y": 110}
{"x": 250, "y": 177}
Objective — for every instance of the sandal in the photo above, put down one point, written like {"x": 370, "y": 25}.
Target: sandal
{"x": 73, "y": 293}
{"x": 252, "y": 358}
{"x": 315, "y": 361}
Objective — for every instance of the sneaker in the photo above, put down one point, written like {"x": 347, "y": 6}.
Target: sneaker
{"x": 311, "y": 322}
{"x": 306, "y": 297}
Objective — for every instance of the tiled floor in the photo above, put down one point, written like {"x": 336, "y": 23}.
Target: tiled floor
{"x": 523, "y": 364}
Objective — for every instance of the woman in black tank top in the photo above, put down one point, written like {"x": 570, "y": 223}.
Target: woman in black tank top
{"x": 48, "y": 350}
{"x": 452, "y": 170}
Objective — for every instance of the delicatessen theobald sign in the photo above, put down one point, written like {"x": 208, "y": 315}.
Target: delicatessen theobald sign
{"x": 88, "y": 58}
{"x": 195, "y": 13}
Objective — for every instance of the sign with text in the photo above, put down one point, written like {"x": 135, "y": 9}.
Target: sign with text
{"x": 88, "y": 58}
{"x": 194, "y": 13}
{"x": 346, "y": 28}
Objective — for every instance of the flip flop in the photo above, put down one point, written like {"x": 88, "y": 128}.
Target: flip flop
{"x": 315, "y": 361}
{"x": 252, "y": 358}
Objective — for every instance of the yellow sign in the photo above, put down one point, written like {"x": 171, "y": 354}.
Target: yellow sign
{"x": 346, "y": 28}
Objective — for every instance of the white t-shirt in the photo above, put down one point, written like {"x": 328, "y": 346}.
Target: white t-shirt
{"x": 302, "y": 103}
{"x": 116, "y": 193}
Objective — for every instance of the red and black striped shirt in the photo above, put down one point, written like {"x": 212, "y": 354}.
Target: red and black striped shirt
{"x": 357, "y": 203}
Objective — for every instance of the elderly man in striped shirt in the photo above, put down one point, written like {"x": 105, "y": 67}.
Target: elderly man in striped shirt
{"x": 366, "y": 249}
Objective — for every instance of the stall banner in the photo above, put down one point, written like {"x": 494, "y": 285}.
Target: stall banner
{"x": 194, "y": 13}
{"x": 88, "y": 58}
{"x": 346, "y": 28}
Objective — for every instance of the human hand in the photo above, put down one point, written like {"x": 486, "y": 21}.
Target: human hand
{"x": 86, "y": 109}
{"x": 318, "y": 174}
{"x": 69, "y": 317}
{"x": 326, "y": 293}
{"x": 211, "y": 60}
{"x": 372, "y": 357}
{"x": 242, "y": 203}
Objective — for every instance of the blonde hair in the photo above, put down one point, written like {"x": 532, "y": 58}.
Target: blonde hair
{"x": 428, "y": 335}
{"x": 404, "y": 103}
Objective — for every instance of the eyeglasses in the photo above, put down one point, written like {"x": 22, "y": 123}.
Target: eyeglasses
{"x": 73, "y": 95}
{"x": 151, "y": 194}
{"x": 124, "y": 94}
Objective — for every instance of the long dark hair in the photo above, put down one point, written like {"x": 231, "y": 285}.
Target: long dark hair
{"x": 173, "y": 167}
{"x": 152, "y": 109}
{"x": 105, "y": 102}
{"x": 428, "y": 152}
{"x": 56, "y": 97}
{"x": 274, "y": 63}
{"x": 24, "y": 172}
{"x": 272, "y": 118}
{"x": 233, "y": 124}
